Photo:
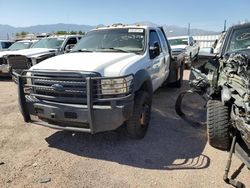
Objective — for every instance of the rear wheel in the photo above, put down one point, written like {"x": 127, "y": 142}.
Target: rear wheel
{"x": 218, "y": 123}
{"x": 138, "y": 123}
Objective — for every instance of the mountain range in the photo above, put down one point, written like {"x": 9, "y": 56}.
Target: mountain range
{"x": 7, "y": 31}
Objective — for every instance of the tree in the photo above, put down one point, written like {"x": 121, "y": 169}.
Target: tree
{"x": 81, "y": 32}
{"x": 73, "y": 32}
{"x": 61, "y": 33}
{"x": 24, "y": 33}
{"x": 17, "y": 34}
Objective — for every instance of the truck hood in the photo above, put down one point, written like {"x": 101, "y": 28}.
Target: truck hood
{"x": 3, "y": 53}
{"x": 175, "y": 47}
{"x": 105, "y": 63}
{"x": 31, "y": 52}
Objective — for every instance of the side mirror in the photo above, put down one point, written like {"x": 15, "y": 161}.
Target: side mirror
{"x": 68, "y": 48}
{"x": 206, "y": 54}
{"x": 154, "y": 51}
{"x": 204, "y": 51}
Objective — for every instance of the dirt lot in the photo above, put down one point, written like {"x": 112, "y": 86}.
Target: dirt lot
{"x": 173, "y": 153}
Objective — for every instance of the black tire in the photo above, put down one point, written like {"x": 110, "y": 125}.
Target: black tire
{"x": 138, "y": 123}
{"x": 218, "y": 123}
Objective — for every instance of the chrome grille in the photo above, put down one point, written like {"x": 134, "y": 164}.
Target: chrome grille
{"x": 62, "y": 86}
{"x": 18, "y": 62}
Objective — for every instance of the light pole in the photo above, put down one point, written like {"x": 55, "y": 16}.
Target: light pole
{"x": 188, "y": 29}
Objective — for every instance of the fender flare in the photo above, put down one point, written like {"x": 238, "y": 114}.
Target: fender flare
{"x": 142, "y": 80}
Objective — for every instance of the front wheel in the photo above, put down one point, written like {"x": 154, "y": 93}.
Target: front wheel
{"x": 137, "y": 124}
{"x": 218, "y": 123}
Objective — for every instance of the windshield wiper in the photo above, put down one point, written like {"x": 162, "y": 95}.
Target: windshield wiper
{"x": 115, "y": 50}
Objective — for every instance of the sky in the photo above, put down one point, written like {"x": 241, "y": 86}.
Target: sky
{"x": 208, "y": 14}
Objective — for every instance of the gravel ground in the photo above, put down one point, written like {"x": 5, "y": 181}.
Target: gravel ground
{"x": 172, "y": 154}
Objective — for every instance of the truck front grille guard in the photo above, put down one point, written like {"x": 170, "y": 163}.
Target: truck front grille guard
{"x": 70, "y": 87}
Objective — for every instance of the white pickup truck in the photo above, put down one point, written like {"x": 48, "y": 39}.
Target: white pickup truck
{"x": 185, "y": 44}
{"x": 19, "y": 45}
{"x": 107, "y": 80}
{"x": 43, "y": 49}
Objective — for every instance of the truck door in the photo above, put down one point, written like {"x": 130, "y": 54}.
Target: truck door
{"x": 157, "y": 60}
{"x": 164, "y": 70}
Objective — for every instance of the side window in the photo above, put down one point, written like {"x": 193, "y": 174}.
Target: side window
{"x": 191, "y": 41}
{"x": 71, "y": 42}
{"x": 153, "y": 37}
{"x": 164, "y": 42}
{"x": 6, "y": 44}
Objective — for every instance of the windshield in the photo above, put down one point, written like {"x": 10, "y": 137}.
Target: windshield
{"x": 49, "y": 43}
{"x": 240, "y": 40}
{"x": 110, "y": 40}
{"x": 180, "y": 41}
{"x": 20, "y": 45}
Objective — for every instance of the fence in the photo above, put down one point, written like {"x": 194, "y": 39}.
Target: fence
{"x": 206, "y": 40}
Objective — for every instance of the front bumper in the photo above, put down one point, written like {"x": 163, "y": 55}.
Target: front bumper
{"x": 92, "y": 117}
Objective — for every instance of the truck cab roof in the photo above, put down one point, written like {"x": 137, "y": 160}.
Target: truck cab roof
{"x": 240, "y": 29}
{"x": 240, "y": 26}
{"x": 120, "y": 26}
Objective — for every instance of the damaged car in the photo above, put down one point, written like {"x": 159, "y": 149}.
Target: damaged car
{"x": 225, "y": 79}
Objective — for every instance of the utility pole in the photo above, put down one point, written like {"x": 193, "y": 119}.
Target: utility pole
{"x": 188, "y": 29}
{"x": 225, "y": 25}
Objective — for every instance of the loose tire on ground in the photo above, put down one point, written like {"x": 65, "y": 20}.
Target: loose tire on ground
{"x": 218, "y": 123}
{"x": 138, "y": 123}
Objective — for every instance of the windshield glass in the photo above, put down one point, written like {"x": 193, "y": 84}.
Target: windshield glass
{"x": 49, "y": 43}
{"x": 110, "y": 40}
{"x": 180, "y": 41}
{"x": 20, "y": 45}
{"x": 240, "y": 40}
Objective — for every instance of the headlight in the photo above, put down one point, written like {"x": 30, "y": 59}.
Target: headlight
{"x": 116, "y": 86}
{"x": 28, "y": 80}
{"x": 28, "y": 83}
